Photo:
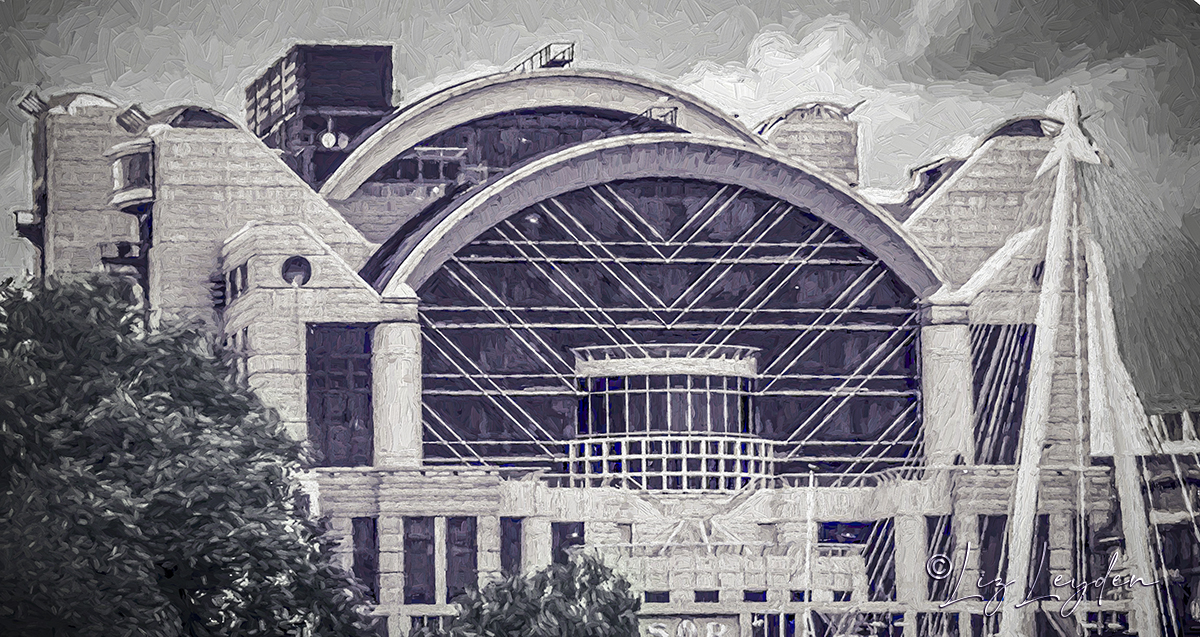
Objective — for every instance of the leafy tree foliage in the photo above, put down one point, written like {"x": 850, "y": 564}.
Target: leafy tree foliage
{"x": 583, "y": 598}
{"x": 143, "y": 491}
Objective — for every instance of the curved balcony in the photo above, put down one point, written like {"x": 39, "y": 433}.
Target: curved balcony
{"x": 667, "y": 417}
{"x": 133, "y": 175}
{"x": 671, "y": 461}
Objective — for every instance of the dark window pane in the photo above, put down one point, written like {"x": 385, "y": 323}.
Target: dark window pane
{"x": 565, "y": 535}
{"x": 599, "y": 415}
{"x": 340, "y": 425}
{"x": 708, "y": 596}
{"x": 430, "y": 170}
{"x": 637, "y": 412}
{"x": 510, "y": 546}
{"x": 658, "y": 597}
{"x": 366, "y": 555}
{"x": 754, "y": 596}
{"x": 418, "y": 561}
{"x": 1174, "y": 426}
{"x": 408, "y": 170}
{"x": 461, "y": 561}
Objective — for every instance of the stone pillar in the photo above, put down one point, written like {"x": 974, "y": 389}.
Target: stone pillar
{"x": 439, "y": 560}
{"x": 342, "y": 530}
{"x": 965, "y": 578}
{"x": 536, "y": 545}
{"x": 391, "y": 560}
{"x": 946, "y": 378}
{"x": 396, "y": 392}
{"x": 911, "y": 543}
{"x": 488, "y": 547}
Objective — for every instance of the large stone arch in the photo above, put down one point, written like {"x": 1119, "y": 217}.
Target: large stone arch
{"x": 662, "y": 155}
{"x": 496, "y": 94}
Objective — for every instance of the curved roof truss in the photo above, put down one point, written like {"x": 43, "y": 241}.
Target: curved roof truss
{"x": 660, "y": 155}
{"x": 516, "y": 91}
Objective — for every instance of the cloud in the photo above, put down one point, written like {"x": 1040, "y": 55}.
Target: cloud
{"x": 910, "y": 117}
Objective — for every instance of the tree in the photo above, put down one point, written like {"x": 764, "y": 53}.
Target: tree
{"x": 582, "y": 598}
{"x": 143, "y": 491}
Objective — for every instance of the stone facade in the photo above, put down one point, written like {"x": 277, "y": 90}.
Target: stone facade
{"x": 230, "y": 216}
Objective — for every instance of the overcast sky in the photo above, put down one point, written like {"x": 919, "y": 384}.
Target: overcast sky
{"x": 935, "y": 73}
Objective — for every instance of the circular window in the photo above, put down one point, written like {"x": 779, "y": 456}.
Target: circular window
{"x": 297, "y": 271}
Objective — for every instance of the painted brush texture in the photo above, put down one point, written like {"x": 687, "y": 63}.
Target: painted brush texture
{"x": 934, "y": 73}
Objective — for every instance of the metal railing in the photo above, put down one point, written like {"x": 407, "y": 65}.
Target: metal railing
{"x": 552, "y": 56}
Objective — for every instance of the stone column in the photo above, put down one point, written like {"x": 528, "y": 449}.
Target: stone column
{"x": 946, "y": 378}
{"x": 965, "y": 576}
{"x": 342, "y": 530}
{"x": 911, "y": 543}
{"x": 391, "y": 560}
{"x": 396, "y": 391}
{"x": 488, "y": 547}
{"x": 440, "y": 549}
{"x": 536, "y": 545}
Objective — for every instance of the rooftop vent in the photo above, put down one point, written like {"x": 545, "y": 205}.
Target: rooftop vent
{"x": 133, "y": 119}
{"x": 32, "y": 103}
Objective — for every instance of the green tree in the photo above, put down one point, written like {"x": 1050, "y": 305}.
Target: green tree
{"x": 583, "y": 598}
{"x": 143, "y": 491}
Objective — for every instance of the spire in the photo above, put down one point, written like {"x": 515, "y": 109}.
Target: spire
{"x": 1071, "y": 142}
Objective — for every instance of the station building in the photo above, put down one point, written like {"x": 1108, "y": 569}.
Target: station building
{"x": 557, "y": 309}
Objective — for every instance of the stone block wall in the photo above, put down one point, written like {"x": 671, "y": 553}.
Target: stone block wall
{"x": 78, "y": 184}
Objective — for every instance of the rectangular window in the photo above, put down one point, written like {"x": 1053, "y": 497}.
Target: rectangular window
{"x": 799, "y": 596}
{"x": 938, "y": 529}
{"x": 991, "y": 544}
{"x": 754, "y": 596}
{"x": 418, "y": 561}
{"x": 773, "y": 625}
{"x": 366, "y": 555}
{"x": 461, "y": 557}
{"x": 658, "y": 597}
{"x": 136, "y": 171}
{"x": 431, "y": 622}
{"x": 1173, "y": 424}
{"x": 340, "y": 425}
{"x": 841, "y": 596}
{"x": 565, "y": 535}
{"x": 510, "y": 546}
{"x": 708, "y": 597}
{"x": 1001, "y": 356}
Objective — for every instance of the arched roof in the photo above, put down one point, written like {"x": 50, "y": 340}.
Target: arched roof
{"x": 191, "y": 116}
{"x": 660, "y": 155}
{"x": 504, "y": 92}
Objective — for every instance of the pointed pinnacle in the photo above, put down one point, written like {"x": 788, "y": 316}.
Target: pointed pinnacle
{"x": 1071, "y": 142}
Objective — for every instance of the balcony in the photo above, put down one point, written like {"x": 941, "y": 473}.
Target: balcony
{"x": 133, "y": 175}
{"x": 670, "y": 461}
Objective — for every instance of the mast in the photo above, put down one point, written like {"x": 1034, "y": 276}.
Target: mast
{"x": 1070, "y": 146}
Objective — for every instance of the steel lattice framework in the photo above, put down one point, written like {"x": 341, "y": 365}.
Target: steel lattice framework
{"x": 671, "y": 261}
